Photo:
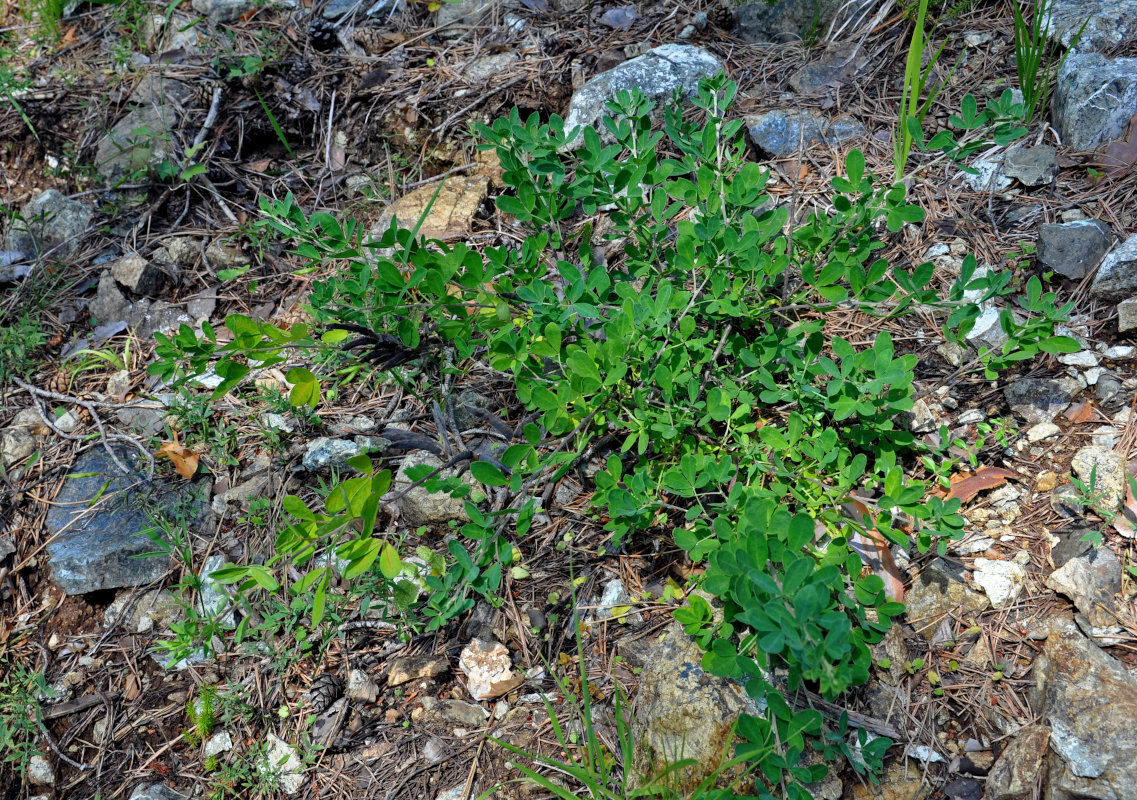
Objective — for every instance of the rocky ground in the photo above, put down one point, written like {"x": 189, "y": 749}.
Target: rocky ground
{"x": 134, "y": 145}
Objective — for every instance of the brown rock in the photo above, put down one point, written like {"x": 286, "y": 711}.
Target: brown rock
{"x": 405, "y": 670}
{"x": 1019, "y": 768}
{"x": 939, "y": 590}
{"x": 489, "y": 671}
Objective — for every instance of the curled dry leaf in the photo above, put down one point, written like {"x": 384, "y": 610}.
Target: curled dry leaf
{"x": 184, "y": 460}
{"x": 984, "y": 478}
{"x": 874, "y": 551}
{"x": 1125, "y": 523}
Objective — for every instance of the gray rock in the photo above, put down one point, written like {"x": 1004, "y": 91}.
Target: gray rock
{"x": 326, "y": 454}
{"x": 225, "y": 256}
{"x": 49, "y": 221}
{"x": 360, "y": 687}
{"x": 789, "y": 20}
{"x": 919, "y": 419}
{"x": 95, "y": 547}
{"x": 1108, "y": 469}
{"x": 142, "y": 612}
{"x": 781, "y": 131}
{"x": 1094, "y": 99}
{"x": 1092, "y": 581}
{"x": 40, "y": 772}
{"x": 657, "y": 73}
{"x": 1089, "y": 700}
{"x": 223, "y": 10}
{"x": 483, "y": 68}
{"x": 460, "y": 15}
{"x": 139, "y": 275}
{"x": 989, "y": 176}
{"x": 154, "y": 791}
{"x": 1041, "y": 399}
{"x": 1032, "y": 166}
{"x": 464, "y": 414}
{"x": 940, "y": 589}
{"x": 422, "y": 507}
{"x": 615, "y": 595}
{"x": 684, "y": 713}
{"x": 469, "y": 714}
{"x": 839, "y": 64}
{"x": 1074, "y": 249}
{"x": 214, "y": 600}
{"x": 18, "y": 441}
{"x": 1107, "y": 24}
{"x": 1117, "y": 276}
{"x": 1127, "y": 315}
{"x": 110, "y": 304}
{"x": 183, "y": 250}
{"x": 7, "y": 547}
{"x": 218, "y": 743}
{"x": 156, "y": 89}
{"x": 1016, "y": 773}
{"x": 139, "y": 142}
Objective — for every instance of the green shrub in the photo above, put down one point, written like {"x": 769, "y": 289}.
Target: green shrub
{"x": 735, "y": 417}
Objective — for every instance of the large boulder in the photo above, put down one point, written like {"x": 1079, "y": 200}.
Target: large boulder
{"x": 1106, "y": 24}
{"x": 657, "y": 73}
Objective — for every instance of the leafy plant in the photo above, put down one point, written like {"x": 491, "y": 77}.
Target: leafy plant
{"x": 201, "y": 716}
{"x": 912, "y": 108}
{"x": 1034, "y": 56}
{"x": 18, "y": 339}
{"x": 20, "y": 691}
{"x": 694, "y": 370}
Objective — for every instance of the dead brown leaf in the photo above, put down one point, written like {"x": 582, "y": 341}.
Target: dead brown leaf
{"x": 1121, "y": 153}
{"x": 1080, "y": 412}
{"x": 185, "y": 461}
{"x": 874, "y": 550}
{"x": 132, "y": 690}
{"x": 984, "y": 478}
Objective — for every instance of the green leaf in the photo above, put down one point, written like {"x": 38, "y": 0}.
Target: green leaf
{"x": 1060, "y": 344}
{"x": 389, "y": 563}
{"x": 487, "y": 473}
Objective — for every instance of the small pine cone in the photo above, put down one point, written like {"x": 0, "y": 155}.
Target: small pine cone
{"x": 326, "y": 688}
{"x": 721, "y": 15}
{"x": 59, "y": 382}
{"x": 322, "y": 35}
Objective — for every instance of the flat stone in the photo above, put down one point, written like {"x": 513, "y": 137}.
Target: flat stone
{"x": 214, "y": 599}
{"x": 485, "y": 67}
{"x": 40, "y": 772}
{"x": 155, "y": 791}
{"x": 1041, "y": 431}
{"x": 488, "y": 669}
{"x": 1002, "y": 581}
{"x": 781, "y": 131}
{"x": 218, "y": 743}
{"x": 1074, "y": 249}
{"x": 938, "y": 590}
{"x": 1089, "y": 700}
{"x": 18, "y": 441}
{"x": 1092, "y": 581}
{"x": 223, "y": 10}
{"x": 657, "y": 73}
{"x": 1041, "y": 399}
{"x": 1094, "y": 99}
{"x": 325, "y": 454}
{"x": 360, "y": 687}
{"x": 413, "y": 668}
{"x": 468, "y": 714}
{"x": 49, "y": 222}
{"x": 839, "y": 64}
{"x": 989, "y": 176}
{"x": 136, "y": 144}
{"x": 1110, "y": 477}
{"x": 1032, "y": 166}
{"x": 95, "y": 549}
{"x": 1016, "y": 773}
{"x": 1127, "y": 315}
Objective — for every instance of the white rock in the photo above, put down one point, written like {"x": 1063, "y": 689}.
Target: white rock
{"x": 1093, "y": 374}
{"x": 40, "y": 772}
{"x": 1120, "y": 352}
{"x": 280, "y": 759}
{"x": 970, "y": 547}
{"x": 220, "y": 742}
{"x": 488, "y": 668}
{"x": 1108, "y": 469}
{"x": 1043, "y": 430}
{"x": 1001, "y": 580}
{"x": 971, "y": 416}
{"x": 214, "y": 597}
{"x": 1083, "y": 358}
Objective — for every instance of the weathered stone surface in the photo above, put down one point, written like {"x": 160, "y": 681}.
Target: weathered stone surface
{"x": 421, "y": 507}
{"x": 1001, "y": 580}
{"x": 1041, "y": 399}
{"x": 18, "y": 441}
{"x": 223, "y": 10}
{"x": 95, "y": 547}
{"x": 281, "y": 760}
{"x": 1108, "y": 470}
{"x": 900, "y": 781}
{"x": 789, "y": 20}
{"x": 657, "y": 73}
{"x": 1106, "y": 24}
{"x": 325, "y": 454}
{"x": 1016, "y": 773}
{"x": 1074, "y": 249}
{"x": 154, "y": 791}
{"x": 360, "y": 687}
{"x": 1032, "y": 166}
{"x": 137, "y": 143}
{"x": 413, "y": 668}
{"x": 1127, "y": 315}
{"x": 1094, "y": 99}
{"x": 468, "y": 714}
{"x": 488, "y": 669}
{"x": 1089, "y": 700}
{"x": 1092, "y": 581}
{"x": 50, "y": 221}
{"x": 40, "y": 772}
{"x": 141, "y": 612}
{"x": 939, "y": 590}
{"x": 780, "y": 132}
{"x": 839, "y": 64}
{"x": 460, "y": 14}
{"x": 139, "y": 275}
{"x": 214, "y": 600}
{"x": 1117, "y": 276}
{"x": 684, "y": 713}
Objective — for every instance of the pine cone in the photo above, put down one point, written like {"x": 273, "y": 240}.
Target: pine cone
{"x": 60, "y": 382}
{"x": 322, "y": 35}
{"x": 326, "y": 688}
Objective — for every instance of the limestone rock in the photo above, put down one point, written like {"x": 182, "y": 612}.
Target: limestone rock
{"x": 1092, "y": 581}
{"x": 139, "y": 142}
{"x": 141, "y": 612}
{"x": 1108, "y": 471}
{"x": 488, "y": 669}
{"x": 1001, "y": 580}
{"x": 421, "y": 507}
{"x": 1094, "y": 99}
{"x": 280, "y": 759}
{"x": 1116, "y": 278}
{"x": 50, "y": 221}
{"x": 1032, "y": 166}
